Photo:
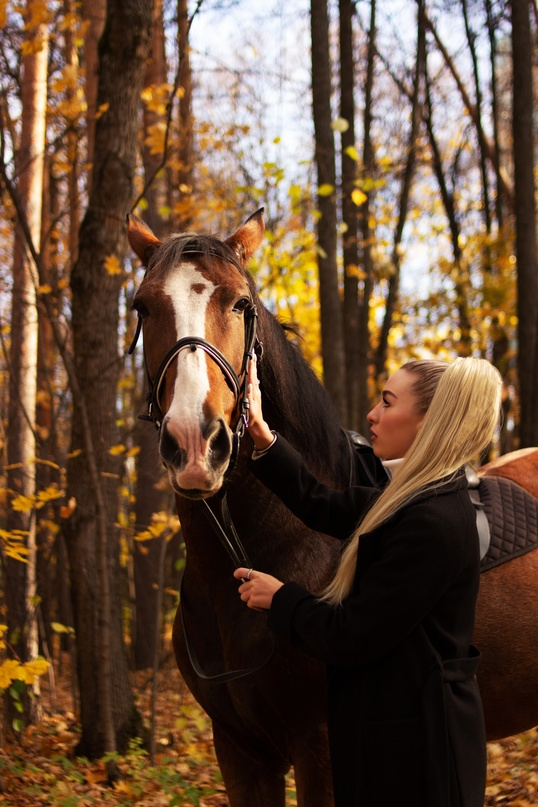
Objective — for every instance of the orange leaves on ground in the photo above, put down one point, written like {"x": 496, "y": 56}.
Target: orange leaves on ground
{"x": 42, "y": 768}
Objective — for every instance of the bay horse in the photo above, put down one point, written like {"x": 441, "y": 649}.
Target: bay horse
{"x": 201, "y": 318}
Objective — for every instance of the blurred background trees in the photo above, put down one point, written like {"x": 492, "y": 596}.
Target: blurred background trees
{"x": 393, "y": 146}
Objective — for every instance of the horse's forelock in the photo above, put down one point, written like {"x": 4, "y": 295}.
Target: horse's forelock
{"x": 177, "y": 247}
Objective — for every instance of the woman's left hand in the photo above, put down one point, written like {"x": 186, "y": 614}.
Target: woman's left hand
{"x": 258, "y": 590}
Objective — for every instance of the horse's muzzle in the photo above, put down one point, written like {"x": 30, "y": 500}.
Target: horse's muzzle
{"x": 197, "y": 470}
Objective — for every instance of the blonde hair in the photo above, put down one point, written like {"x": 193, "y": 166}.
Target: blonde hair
{"x": 462, "y": 404}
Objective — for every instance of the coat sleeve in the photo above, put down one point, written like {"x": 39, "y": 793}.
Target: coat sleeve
{"x": 333, "y": 512}
{"x": 421, "y": 556}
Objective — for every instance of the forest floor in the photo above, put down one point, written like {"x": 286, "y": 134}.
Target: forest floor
{"x": 41, "y": 769}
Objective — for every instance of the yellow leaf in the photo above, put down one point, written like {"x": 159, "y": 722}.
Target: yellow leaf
{"x": 352, "y": 270}
{"x": 9, "y": 671}
{"x": 116, "y": 450}
{"x": 48, "y": 495}
{"x": 45, "y": 289}
{"x": 325, "y": 190}
{"x": 22, "y": 504}
{"x": 352, "y": 152}
{"x": 155, "y": 137}
{"x": 340, "y": 125}
{"x": 112, "y": 265}
{"x": 32, "y": 669}
{"x": 358, "y": 197}
{"x": 101, "y": 111}
{"x": 133, "y": 451}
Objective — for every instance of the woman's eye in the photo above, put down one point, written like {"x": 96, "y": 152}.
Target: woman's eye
{"x": 384, "y": 402}
{"x": 241, "y": 305}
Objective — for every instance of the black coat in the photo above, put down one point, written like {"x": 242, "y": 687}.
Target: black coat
{"x": 404, "y": 712}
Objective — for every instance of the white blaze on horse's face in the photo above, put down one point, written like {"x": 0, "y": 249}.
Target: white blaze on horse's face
{"x": 197, "y": 393}
{"x": 196, "y": 439}
{"x": 192, "y": 382}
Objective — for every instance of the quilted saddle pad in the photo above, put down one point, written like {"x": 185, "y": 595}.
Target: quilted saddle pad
{"x": 512, "y": 513}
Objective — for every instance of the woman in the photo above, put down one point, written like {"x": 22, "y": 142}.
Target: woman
{"x": 395, "y": 624}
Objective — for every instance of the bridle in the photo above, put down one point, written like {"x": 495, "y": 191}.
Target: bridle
{"x": 221, "y": 521}
{"x": 236, "y": 381}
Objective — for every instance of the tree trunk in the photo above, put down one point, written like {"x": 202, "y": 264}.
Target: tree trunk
{"x": 349, "y": 215}
{"x": 107, "y": 708}
{"x": 448, "y": 197}
{"x": 94, "y": 12}
{"x": 365, "y": 229}
{"x": 525, "y": 211}
{"x": 405, "y": 192}
{"x": 332, "y": 338}
{"x": 20, "y": 578}
{"x": 184, "y": 209}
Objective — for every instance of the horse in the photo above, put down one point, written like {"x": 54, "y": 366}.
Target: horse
{"x": 202, "y": 319}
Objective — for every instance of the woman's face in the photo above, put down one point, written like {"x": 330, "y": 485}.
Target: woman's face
{"x": 394, "y": 421}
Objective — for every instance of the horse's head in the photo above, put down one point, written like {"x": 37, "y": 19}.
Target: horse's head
{"x": 195, "y": 303}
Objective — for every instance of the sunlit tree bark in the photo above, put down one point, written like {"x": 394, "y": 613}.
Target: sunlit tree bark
{"x": 20, "y": 578}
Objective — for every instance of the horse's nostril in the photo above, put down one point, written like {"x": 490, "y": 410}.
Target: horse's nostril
{"x": 220, "y": 442}
{"x": 170, "y": 451}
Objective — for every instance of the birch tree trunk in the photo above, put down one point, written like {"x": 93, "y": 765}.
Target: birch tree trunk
{"x": 20, "y": 578}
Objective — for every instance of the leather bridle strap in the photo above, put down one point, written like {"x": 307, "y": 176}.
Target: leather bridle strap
{"x": 218, "y": 678}
{"x": 237, "y": 383}
{"x": 188, "y": 343}
{"x": 231, "y": 542}
{"x": 226, "y": 532}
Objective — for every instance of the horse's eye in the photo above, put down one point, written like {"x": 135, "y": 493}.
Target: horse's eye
{"x": 241, "y": 305}
{"x": 140, "y": 308}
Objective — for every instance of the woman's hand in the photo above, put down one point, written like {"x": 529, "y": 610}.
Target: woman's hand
{"x": 258, "y": 589}
{"x": 258, "y": 429}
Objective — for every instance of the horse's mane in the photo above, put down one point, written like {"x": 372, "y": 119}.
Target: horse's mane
{"x": 295, "y": 402}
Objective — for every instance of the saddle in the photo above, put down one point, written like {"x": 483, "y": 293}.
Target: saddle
{"x": 511, "y": 513}
{"x": 506, "y": 513}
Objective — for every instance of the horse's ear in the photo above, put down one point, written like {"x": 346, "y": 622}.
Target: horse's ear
{"x": 249, "y": 237}
{"x": 143, "y": 242}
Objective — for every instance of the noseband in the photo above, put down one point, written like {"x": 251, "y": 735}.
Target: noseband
{"x": 236, "y": 382}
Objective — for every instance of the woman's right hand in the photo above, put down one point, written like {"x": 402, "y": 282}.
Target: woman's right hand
{"x": 258, "y": 428}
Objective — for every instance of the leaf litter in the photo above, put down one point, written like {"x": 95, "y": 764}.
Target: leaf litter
{"x": 39, "y": 768}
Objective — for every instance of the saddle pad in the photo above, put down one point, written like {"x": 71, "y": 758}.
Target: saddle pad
{"x": 512, "y": 513}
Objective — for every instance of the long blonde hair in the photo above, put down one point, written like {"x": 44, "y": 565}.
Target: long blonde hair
{"x": 462, "y": 404}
